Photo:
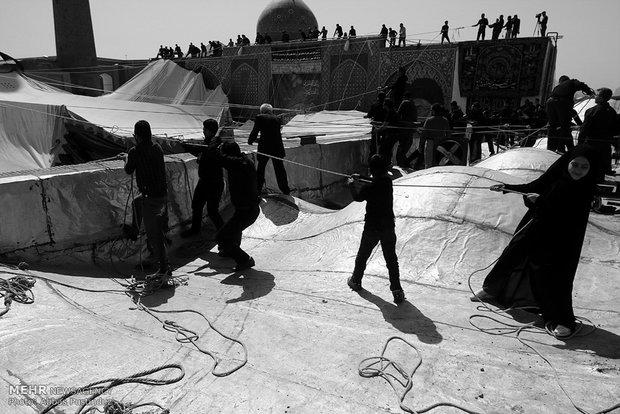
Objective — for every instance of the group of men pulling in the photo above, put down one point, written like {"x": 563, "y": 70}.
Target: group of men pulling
{"x": 245, "y": 184}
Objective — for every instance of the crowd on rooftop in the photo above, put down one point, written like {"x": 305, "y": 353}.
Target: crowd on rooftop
{"x": 511, "y": 27}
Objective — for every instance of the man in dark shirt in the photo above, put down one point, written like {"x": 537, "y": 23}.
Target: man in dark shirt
{"x": 516, "y": 26}
{"x": 482, "y": 29}
{"x": 383, "y": 34}
{"x": 559, "y": 107}
{"x": 542, "y": 20}
{"x": 146, "y": 159}
{"x": 408, "y": 117}
{"x": 377, "y": 116}
{"x": 270, "y": 143}
{"x": 600, "y": 124}
{"x": 244, "y": 197}
{"x": 444, "y": 32}
{"x": 398, "y": 87}
{"x": 378, "y": 226}
{"x": 389, "y": 130}
{"x": 210, "y": 181}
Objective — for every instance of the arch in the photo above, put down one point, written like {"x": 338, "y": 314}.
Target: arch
{"x": 426, "y": 91}
{"x": 244, "y": 90}
{"x": 107, "y": 83}
{"x": 349, "y": 82}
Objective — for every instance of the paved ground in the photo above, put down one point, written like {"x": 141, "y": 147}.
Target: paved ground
{"x": 305, "y": 333}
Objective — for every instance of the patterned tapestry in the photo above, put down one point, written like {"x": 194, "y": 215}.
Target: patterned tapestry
{"x": 509, "y": 68}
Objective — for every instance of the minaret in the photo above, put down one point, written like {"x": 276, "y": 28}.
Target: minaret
{"x": 75, "y": 43}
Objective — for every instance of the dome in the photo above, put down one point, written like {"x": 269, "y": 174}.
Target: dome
{"x": 286, "y": 15}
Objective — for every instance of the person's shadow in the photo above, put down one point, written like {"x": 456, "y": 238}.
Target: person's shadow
{"x": 279, "y": 209}
{"x": 600, "y": 341}
{"x": 255, "y": 284}
{"x": 158, "y": 297}
{"x": 406, "y": 318}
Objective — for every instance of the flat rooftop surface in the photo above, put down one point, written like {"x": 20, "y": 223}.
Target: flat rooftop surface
{"x": 289, "y": 336}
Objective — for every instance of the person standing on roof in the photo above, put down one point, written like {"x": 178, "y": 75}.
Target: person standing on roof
{"x": 210, "y": 181}
{"x": 482, "y": 27}
{"x": 559, "y": 107}
{"x": 146, "y": 159}
{"x": 444, "y": 32}
{"x": 402, "y": 35}
{"x": 379, "y": 226}
{"x": 600, "y": 124}
{"x": 244, "y": 197}
{"x": 269, "y": 145}
{"x": 542, "y": 21}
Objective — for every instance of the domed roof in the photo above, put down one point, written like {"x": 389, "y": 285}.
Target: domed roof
{"x": 286, "y": 15}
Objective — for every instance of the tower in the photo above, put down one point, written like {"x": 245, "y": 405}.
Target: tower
{"x": 75, "y": 44}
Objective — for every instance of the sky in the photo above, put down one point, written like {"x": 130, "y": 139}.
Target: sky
{"x": 134, "y": 29}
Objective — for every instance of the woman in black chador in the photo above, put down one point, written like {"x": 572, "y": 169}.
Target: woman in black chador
{"x": 541, "y": 260}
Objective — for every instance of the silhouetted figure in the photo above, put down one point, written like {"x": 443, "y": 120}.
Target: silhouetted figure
{"x": 383, "y": 34}
{"x": 482, "y": 26}
{"x": 402, "y": 36}
{"x": 516, "y": 26}
{"x": 508, "y": 27}
{"x": 444, "y": 32}
{"x": 323, "y": 33}
{"x": 338, "y": 31}
{"x": 269, "y": 143}
{"x": 397, "y": 88}
{"x": 146, "y": 159}
{"x": 542, "y": 21}
{"x": 378, "y": 225}
{"x": 210, "y": 184}
{"x": 392, "y": 33}
{"x": 285, "y": 37}
{"x": 377, "y": 116}
{"x": 352, "y": 33}
{"x": 559, "y": 107}
{"x": 600, "y": 124}
{"x": 244, "y": 198}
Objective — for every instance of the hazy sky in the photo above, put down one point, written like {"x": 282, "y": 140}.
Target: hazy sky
{"x": 134, "y": 29}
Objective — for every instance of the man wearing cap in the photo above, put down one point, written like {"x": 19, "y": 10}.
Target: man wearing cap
{"x": 146, "y": 159}
{"x": 559, "y": 107}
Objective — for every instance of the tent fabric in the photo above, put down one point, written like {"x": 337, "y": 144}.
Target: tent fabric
{"x": 329, "y": 124}
{"x": 33, "y": 105}
{"x": 165, "y": 82}
{"x": 583, "y": 105}
{"x": 30, "y": 134}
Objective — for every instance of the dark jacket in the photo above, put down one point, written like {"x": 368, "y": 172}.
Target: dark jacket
{"x": 241, "y": 180}
{"x": 566, "y": 90}
{"x": 209, "y": 165}
{"x": 270, "y": 141}
{"x": 147, "y": 160}
{"x": 379, "y": 202}
{"x": 600, "y": 124}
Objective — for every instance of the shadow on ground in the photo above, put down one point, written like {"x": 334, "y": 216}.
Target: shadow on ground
{"x": 406, "y": 318}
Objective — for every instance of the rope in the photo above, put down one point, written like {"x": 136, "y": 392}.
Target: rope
{"x": 95, "y": 389}
{"x": 506, "y": 328}
{"x": 18, "y": 289}
{"x": 184, "y": 335}
{"x": 378, "y": 367}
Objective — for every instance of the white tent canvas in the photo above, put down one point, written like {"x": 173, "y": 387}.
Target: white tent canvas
{"x": 29, "y": 104}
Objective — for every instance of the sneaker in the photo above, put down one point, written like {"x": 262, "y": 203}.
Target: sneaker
{"x": 356, "y": 286}
{"x": 399, "y": 296}
{"x": 245, "y": 265}
{"x": 562, "y": 331}
{"x": 190, "y": 232}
